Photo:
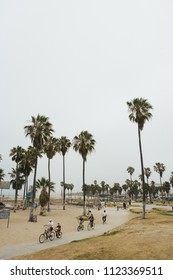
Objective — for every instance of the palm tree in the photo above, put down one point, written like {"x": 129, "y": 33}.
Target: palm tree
{"x": 2, "y": 175}
{"x": 17, "y": 181}
{"x": 171, "y": 179}
{"x": 139, "y": 109}
{"x": 116, "y": 188}
{"x": 27, "y": 165}
{"x": 130, "y": 170}
{"x": 166, "y": 187}
{"x": 50, "y": 149}
{"x": 159, "y": 168}
{"x": 103, "y": 186}
{"x": 64, "y": 145}
{"x": 46, "y": 186}
{"x": 16, "y": 155}
{"x": 39, "y": 130}
{"x": 84, "y": 143}
{"x": 147, "y": 173}
{"x": 125, "y": 188}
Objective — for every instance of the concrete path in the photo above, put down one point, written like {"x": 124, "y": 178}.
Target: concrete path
{"x": 115, "y": 218}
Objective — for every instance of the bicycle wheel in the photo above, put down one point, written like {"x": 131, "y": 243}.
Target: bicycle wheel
{"x": 51, "y": 236}
{"x": 59, "y": 234}
{"x": 41, "y": 238}
{"x": 78, "y": 228}
{"x": 89, "y": 226}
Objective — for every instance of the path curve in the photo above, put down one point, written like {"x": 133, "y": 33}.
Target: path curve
{"x": 115, "y": 219}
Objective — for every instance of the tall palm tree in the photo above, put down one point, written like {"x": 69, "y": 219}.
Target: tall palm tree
{"x": 160, "y": 169}
{"x": 139, "y": 109}
{"x": 64, "y": 145}
{"x": 50, "y": 149}
{"x": 39, "y": 130}
{"x": 84, "y": 144}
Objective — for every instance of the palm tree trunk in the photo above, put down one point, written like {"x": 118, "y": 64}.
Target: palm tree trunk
{"x": 48, "y": 205}
{"x": 34, "y": 182}
{"x": 84, "y": 195}
{"x": 33, "y": 191}
{"x": 142, "y": 171}
{"x": 25, "y": 186}
{"x": 63, "y": 182}
{"x": 16, "y": 190}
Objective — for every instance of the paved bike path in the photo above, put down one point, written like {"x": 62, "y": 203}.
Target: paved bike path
{"x": 115, "y": 219}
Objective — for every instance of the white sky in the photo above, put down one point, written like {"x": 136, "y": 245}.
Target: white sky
{"x": 78, "y": 63}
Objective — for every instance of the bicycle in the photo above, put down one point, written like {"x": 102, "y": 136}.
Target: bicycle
{"x": 91, "y": 225}
{"x": 104, "y": 219}
{"x": 80, "y": 226}
{"x": 58, "y": 233}
{"x": 46, "y": 235}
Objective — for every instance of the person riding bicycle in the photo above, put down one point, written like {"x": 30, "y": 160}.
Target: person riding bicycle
{"x": 81, "y": 223}
{"x": 58, "y": 230}
{"x": 104, "y": 216}
{"x": 91, "y": 219}
{"x": 81, "y": 220}
{"x": 50, "y": 225}
{"x": 58, "y": 227}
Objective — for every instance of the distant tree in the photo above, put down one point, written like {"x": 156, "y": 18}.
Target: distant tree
{"x": 160, "y": 169}
{"x": 2, "y": 175}
{"x": 147, "y": 173}
{"x": 103, "y": 186}
{"x": 166, "y": 187}
{"x": 125, "y": 188}
{"x": 130, "y": 170}
{"x": 171, "y": 179}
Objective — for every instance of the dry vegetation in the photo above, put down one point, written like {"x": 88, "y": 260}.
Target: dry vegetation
{"x": 139, "y": 239}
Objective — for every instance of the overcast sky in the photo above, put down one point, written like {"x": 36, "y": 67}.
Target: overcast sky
{"x": 78, "y": 63}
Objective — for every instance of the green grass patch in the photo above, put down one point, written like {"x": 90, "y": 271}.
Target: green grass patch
{"x": 163, "y": 212}
{"x": 111, "y": 233}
